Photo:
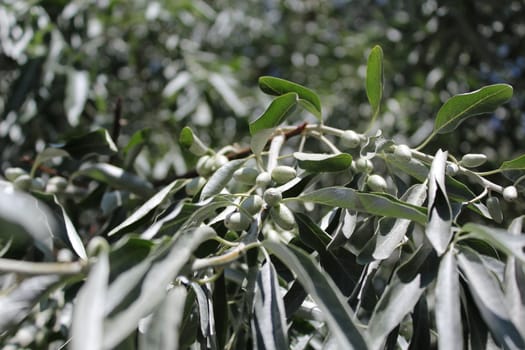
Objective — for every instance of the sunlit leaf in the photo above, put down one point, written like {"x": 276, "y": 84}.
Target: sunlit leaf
{"x": 316, "y": 162}
{"x": 72, "y": 234}
{"x": 280, "y": 108}
{"x": 514, "y": 164}
{"x": 220, "y": 178}
{"x": 374, "y": 78}
{"x": 77, "y": 90}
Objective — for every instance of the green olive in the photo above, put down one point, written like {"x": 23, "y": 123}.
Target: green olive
{"x": 451, "y": 169}
{"x": 363, "y": 165}
{"x": 494, "y": 208}
{"x": 253, "y": 204}
{"x": 510, "y": 193}
{"x": 12, "y": 174}
{"x": 272, "y": 196}
{"x": 376, "y": 183}
{"x": 472, "y": 160}
{"x": 282, "y": 174}
{"x": 263, "y": 179}
{"x": 204, "y": 166}
{"x": 403, "y": 153}
{"x": 246, "y": 175}
{"x": 283, "y": 216}
{"x": 23, "y": 182}
{"x": 237, "y": 221}
{"x": 350, "y": 139}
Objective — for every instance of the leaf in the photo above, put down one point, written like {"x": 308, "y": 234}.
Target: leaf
{"x": 372, "y": 203}
{"x": 149, "y": 205}
{"x": 439, "y": 227}
{"x": 510, "y": 244}
{"x": 220, "y": 178}
{"x": 336, "y": 312}
{"x": 204, "y": 312}
{"x": 514, "y": 164}
{"x": 316, "y": 162}
{"x": 448, "y": 306}
{"x": 269, "y": 321}
{"x": 72, "y": 234}
{"x": 77, "y": 90}
{"x": 277, "y": 87}
{"x": 259, "y": 140}
{"x": 514, "y": 282}
{"x": 190, "y": 141}
{"x": 489, "y": 299}
{"x": 97, "y": 142}
{"x": 88, "y": 314}
{"x": 18, "y": 303}
{"x": 280, "y": 108}
{"x": 374, "y": 78}
{"x": 462, "y": 106}
{"x": 117, "y": 177}
{"x": 163, "y": 329}
{"x": 45, "y": 155}
{"x": 154, "y": 286}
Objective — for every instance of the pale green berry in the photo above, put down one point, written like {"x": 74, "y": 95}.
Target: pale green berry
{"x": 65, "y": 255}
{"x": 363, "y": 165}
{"x": 204, "y": 166}
{"x": 56, "y": 184}
{"x": 272, "y": 196}
{"x": 350, "y": 139}
{"x": 12, "y": 174}
{"x": 510, "y": 193}
{"x": 23, "y": 182}
{"x": 253, "y": 204}
{"x": 283, "y": 216}
{"x": 246, "y": 175}
{"x": 282, "y": 174}
{"x": 376, "y": 183}
{"x": 237, "y": 221}
{"x": 403, "y": 153}
{"x": 494, "y": 208}
{"x": 263, "y": 179}
{"x": 38, "y": 184}
{"x": 472, "y": 160}
{"x": 194, "y": 186}
{"x": 451, "y": 169}
{"x": 218, "y": 161}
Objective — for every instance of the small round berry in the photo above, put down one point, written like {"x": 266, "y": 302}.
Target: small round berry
{"x": 272, "y": 197}
{"x": 282, "y": 174}
{"x": 237, "y": 221}
{"x": 510, "y": 193}
{"x": 403, "y": 153}
{"x": 376, "y": 183}
{"x": 350, "y": 139}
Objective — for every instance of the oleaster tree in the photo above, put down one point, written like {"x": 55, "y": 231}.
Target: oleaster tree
{"x": 312, "y": 237}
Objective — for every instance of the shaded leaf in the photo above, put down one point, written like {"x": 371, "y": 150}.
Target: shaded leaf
{"x": 514, "y": 282}
{"x": 97, "y": 142}
{"x": 316, "y": 162}
{"x": 202, "y": 306}
{"x": 220, "y": 178}
{"x": 372, "y": 203}
{"x": 462, "y": 106}
{"x": 280, "y": 108}
{"x": 77, "y": 90}
{"x": 45, "y": 155}
{"x": 514, "y": 164}
{"x": 72, "y": 234}
{"x": 338, "y": 315}
{"x": 374, "y": 78}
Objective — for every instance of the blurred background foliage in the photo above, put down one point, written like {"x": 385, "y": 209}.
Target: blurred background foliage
{"x": 65, "y": 64}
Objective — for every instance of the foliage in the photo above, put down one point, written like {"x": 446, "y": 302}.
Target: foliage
{"x": 312, "y": 237}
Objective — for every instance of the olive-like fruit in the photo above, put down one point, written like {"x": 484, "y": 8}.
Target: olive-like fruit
{"x": 263, "y": 179}
{"x": 12, "y": 174}
{"x": 451, "y": 169}
{"x": 218, "y": 161}
{"x": 350, "y": 139}
{"x": 376, "y": 183}
{"x": 402, "y": 153}
{"x": 23, "y": 182}
{"x": 283, "y": 216}
{"x": 56, "y": 184}
{"x": 494, "y": 208}
{"x": 253, "y": 204}
{"x": 194, "y": 186}
{"x": 282, "y": 174}
{"x": 510, "y": 193}
{"x": 204, "y": 166}
{"x": 246, "y": 175}
{"x": 472, "y": 160}
{"x": 272, "y": 196}
{"x": 37, "y": 184}
{"x": 237, "y": 221}
{"x": 363, "y": 165}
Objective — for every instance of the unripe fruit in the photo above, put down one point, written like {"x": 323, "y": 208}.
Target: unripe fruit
{"x": 272, "y": 197}
{"x": 510, "y": 193}
{"x": 283, "y": 216}
{"x": 246, "y": 175}
{"x": 252, "y": 204}
{"x": 282, "y": 174}
{"x": 194, "y": 186}
{"x": 495, "y": 209}
{"x": 363, "y": 165}
{"x": 237, "y": 221}
{"x": 402, "y": 153}
{"x": 56, "y": 184}
{"x": 376, "y": 183}
{"x": 350, "y": 139}
{"x": 218, "y": 161}
{"x": 37, "y": 184}
{"x": 12, "y": 174}
{"x": 451, "y": 169}
{"x": 23, "y": 182}
{"x": 263, "y": 179}
{"x": 204, "y": 166}
{"x": 472, "y": 160}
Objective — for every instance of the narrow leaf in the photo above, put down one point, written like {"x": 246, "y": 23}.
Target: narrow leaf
{"x": 514, "y": 164}
{"x": 372, "y": 203}
{"x": 318, "y": 163}
{"x": 220, "y": 178}
{"x": 515, "y": 279}
{"x": 280, "y": 108}
{"x": 460, "y": 107}
{"x": 202, "y": 305}
{"x": 190, "y": 141}
{"x": 97, "y": 142}
{"x": 374, "y": 78}
{"x": 72, "y": 234}
{"x": 448, "y": 307}
{"x": 338, "y": 315}
{"x": 45, "y": 155}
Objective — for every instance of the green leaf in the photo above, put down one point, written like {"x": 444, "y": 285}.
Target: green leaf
{"x": 72, "y": 234}
{"x": 45, "y": 155}
{"x": 269, "y": 321}
{"x": 462, "y": 106}
{"x": 203, "y": 308}
{"x": 439, "y": 227}
{"x": 448, "y": 307}
{"x": 149, "y": 205}
{"x": 336, "y": 312}
{"x": 318, "y": 163}
{"x": 220, "y": 178}
{"x": 118, "y": 178}
{"x": 514, "y": 282}
{"x": 280, "y": 108}
{"x": 190, "y": 141}
{"x": 490, "y": 300}
{"x": 277, "y": 87}
{"x": 374, "y": 79}
{"x": 510, "y": 244}
{"x": 88, "y": 314}
{"x": 97, "y": 142}
{"x": 514, "y": 164}
{"x": 372, "y": 203}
